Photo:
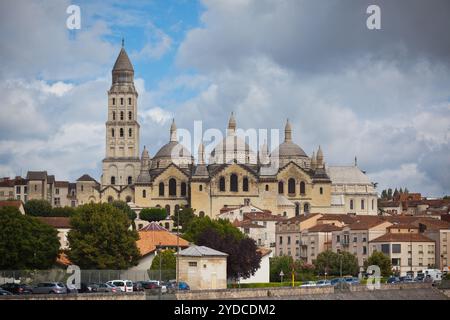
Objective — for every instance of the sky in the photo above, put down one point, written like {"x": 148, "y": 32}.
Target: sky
{"x": 380, "y": 95}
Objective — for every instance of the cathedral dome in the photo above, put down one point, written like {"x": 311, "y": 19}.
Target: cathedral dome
{"x": 172, "y": 152}
{"x": 232, "y": 148}
{"x": 288, "y": 150}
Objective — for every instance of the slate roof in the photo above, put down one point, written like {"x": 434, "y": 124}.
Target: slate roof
{"x": 86, "y": 177}
{"x": 201, "y": 251}
{"x": 36, "y": 175}
{"x": 347, "y": 175}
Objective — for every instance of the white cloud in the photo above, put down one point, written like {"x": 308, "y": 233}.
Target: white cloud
{"x": 158, "y": 43}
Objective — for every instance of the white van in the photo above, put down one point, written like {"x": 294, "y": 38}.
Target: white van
{"x": 123, "y": 285}
{"x": 432, "y": 275}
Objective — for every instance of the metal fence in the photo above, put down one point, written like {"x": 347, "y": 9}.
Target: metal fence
{"x": 33, "y": 277}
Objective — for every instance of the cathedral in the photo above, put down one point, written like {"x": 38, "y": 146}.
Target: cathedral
{"x": 231, "y": 175}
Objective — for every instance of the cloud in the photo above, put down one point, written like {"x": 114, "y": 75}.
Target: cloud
{"x": 158, "y": 43}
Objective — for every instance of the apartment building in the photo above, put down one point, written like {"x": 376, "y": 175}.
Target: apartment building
{"x": 355, "y": 237}
{"x": 314, "y": 241}
{"x": 288, "y": 234}
{"x": 410, "y": 252}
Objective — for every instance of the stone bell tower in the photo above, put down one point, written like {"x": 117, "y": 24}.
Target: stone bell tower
{"x": 122, "y": 164}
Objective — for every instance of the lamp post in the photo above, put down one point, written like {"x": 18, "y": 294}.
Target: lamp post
{"x": 178, "y": 247}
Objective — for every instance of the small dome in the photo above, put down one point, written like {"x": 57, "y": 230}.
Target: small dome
{"x": 233, "y": 148}
{"x": 123, "y": 63}
{"x": 172, "y": 147}
{"x": 289, "y": 149}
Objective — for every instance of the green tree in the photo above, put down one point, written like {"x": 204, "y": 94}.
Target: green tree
{"x": 100, "y": 238}
{"x": 381, "y": 260}
{"x": 186, "y": 217}
{"x": 330, "y": 262}
{"x": 168, "y": 264}
{"x": 243, "y": 258}
{"x": 122, "y": 205}
{"x": 38, "y": 208}
{"x": 278, "y": 264}
{"x": 25, "y": 242}
{"x": 200, "y": 224}
{"x": 153, "y": 214}
{"x": 62, "y": 212}
{"x": 384, "y": 195}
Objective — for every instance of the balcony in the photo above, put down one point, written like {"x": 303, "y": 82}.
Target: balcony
{"x": 344, "y": 243}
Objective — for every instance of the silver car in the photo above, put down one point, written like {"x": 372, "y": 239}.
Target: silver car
{"x": 50, "y": 288}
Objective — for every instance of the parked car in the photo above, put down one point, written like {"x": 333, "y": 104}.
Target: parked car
{"x": 434, "y": 274}
{"x": 5, "y": 293}
{"x": 104, "y": 287}
{"x": 123, "y": 285}
{"x": 420, "y": 277}
{"x": 308, "y": 284}
{"x": 351, "y": 280}
{"x": 183, "y": 286}
{"x": 336, "y": 281}
{"x": 406, "y": 279}
{"x": 50, "y": 287}
{"x": 393, "y": 280}
{"x": 17, "y": 288}
{"x": 85, "y": 288}
{"x": 323, "y": 283}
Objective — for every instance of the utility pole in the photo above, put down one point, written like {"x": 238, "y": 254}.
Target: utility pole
{"x": 178, "y": 247}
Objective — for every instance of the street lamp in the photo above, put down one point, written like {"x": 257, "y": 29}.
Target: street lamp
{"x": 178, "y": 246}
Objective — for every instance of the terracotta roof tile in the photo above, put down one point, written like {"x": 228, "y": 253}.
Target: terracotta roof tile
{"x": 402, "y": 237}
{"x": 56, "y": 222}
{"x": 148, "y": 240}
{"x": 325, "y": 227}
{"x": 12, "y": 203}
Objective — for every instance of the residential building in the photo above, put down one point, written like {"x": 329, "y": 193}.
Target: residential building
{"x": 262, "y": 275}
{"x": 203, "y": 268}
{"x": 410, "y": 252}
{"x": 153, "y": 238}
{"x": 62, "y": 225}
{"x": 315, "y": 240}
{"x": 355, "y": 237}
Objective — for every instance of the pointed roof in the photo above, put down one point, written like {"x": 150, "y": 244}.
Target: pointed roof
{"x": 86, "y": 177}
{"x": 123, "y": 63}
{"x": 201, "y": 251}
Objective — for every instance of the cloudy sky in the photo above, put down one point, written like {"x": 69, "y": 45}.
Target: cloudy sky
{"x": 381, "y": 95}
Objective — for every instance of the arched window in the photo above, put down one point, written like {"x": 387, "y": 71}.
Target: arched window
{"x": 130, "y": 115}
{"x": 183, "y": 189}
{"x": 302, "y": 187}
{"x": 244, "y": 184}
{"x": 121, "y": 115}
{"x": 321, "y": 190}
{"x": 112, "y": 132}
{"x": 110, "y": 199}
{"x": 222, "y": 184}
{"x": 177, "y": 208}
{"x": 306, "y": 208}
{"x": 297, "y": 209}
{"x": 161, "y": 189}
{"x": 114, "y": 115}
{"x": 158, "y": 206}
{"x": 114, "y": 101}
{"x": 233, "y": 183}
{"x": 362, "y": 204}
{"x": 144, "y": 193}
{"x": 267, "y": 187}
{"x": 121, "y": 132}
{"x": 121, "y": 100}
{"x": 172, "y": 187}
{"x": 351, "y": 204}
{"x": 200, "y": 187}
{"x": 280, "y": 187}
{"x": 129, "y": 100}
{"x": 128, "y": 199}
{"x": 291, "y": 186}
{"x": 130, "y": 180}
{"x": 130, "y": 132}
{"x": 113, "y": 180}
{"x": 168, "y": 210}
